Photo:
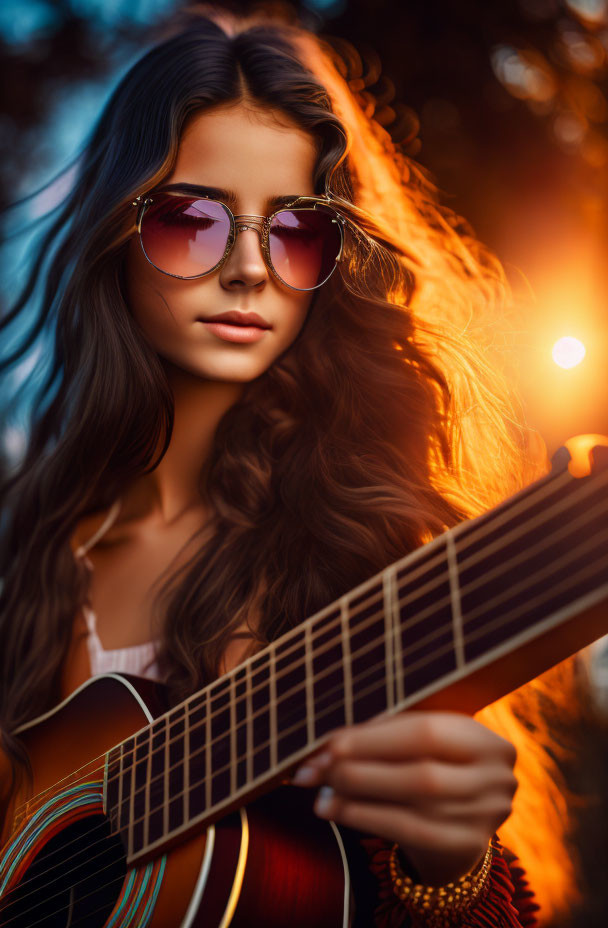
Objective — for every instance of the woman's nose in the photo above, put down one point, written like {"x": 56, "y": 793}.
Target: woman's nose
{"x": 245, "y": 265}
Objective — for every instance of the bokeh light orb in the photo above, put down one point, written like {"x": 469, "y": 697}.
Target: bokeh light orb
{"x": 568, "y": 352}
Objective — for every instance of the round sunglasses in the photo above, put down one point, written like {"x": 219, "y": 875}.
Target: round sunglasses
{"x": 190, "y": 236}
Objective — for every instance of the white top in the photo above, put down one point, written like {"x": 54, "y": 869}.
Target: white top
{"x": 139, "y": 659}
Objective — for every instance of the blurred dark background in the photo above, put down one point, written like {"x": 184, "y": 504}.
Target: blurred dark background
{"x": 504, "y": 102}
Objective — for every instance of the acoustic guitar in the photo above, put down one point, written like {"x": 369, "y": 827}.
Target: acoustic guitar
{"x": 140, "y": 814}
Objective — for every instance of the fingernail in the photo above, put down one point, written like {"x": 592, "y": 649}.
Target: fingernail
{"x": 324, "y": 800}
{"x": 306, "y": 776}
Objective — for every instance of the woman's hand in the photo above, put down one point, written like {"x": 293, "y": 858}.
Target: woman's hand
{"x": 437, "y": 783}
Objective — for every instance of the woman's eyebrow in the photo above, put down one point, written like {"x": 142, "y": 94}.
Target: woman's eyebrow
{"x": 218, "y": 193}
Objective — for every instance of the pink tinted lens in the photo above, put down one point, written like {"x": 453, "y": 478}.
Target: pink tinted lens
{"x": 185, "y": 236}
{"x": 304, "y": 245}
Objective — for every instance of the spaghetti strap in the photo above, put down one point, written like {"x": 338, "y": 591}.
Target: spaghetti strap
{"x": 139, "y": 659}
{"x": 90, "y": 618}
{"x": 109, "y": 520}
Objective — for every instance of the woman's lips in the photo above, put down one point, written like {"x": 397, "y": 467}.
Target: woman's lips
{"x": 235, "y": 333}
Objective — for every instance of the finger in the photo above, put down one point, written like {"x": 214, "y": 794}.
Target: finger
{"x": 397, "y": 823}
{"x": 450, "y": 736}
{"x": 413, "y": 783}
{"x": 490, "y": 810}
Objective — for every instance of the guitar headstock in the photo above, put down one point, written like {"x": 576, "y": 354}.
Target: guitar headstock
{"x": 582, "y": 455}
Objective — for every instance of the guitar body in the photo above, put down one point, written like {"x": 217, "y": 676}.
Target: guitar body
{"x": 110, "y": 833}
{"x": 271, "y": 863}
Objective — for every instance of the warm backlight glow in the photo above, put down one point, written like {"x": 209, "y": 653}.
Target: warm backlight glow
{"x": 568, "y": 351}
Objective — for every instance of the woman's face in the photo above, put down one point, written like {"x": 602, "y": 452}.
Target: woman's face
{"x": 247, "y": 152}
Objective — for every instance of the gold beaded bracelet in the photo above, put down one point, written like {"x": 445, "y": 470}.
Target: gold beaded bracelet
{"x": 437, "y": 906}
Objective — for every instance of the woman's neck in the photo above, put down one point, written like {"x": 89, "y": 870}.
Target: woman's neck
{"x": 173, "y": 487}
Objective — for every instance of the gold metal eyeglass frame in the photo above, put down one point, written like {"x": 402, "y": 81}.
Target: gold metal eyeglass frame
{"x": 243, "y": 221}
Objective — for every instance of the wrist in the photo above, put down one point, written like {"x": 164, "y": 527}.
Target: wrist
{"x": 433, "y": 868}
{"x": 441, "y": 905}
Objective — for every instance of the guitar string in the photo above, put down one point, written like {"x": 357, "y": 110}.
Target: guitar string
{"x": 332, "y": 643}
{"x": 332, "y": 707}
{"x": 295, "y": 689}
{"x": 299, "y": 689}
{"x": 335, "y": 621}
{"x": 90, "y": 763}
{"x": 64, "y": 908}
{"x": 551, "y": 484}
{"x": 209, "y": 695}
{"x": 371, "y": 688}
{"x": 324, "y": 673}
{"x": 259, "y": 747}
{"x": 375, "y": 685}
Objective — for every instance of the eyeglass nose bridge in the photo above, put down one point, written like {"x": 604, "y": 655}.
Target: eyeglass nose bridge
{"x": 250, "y": 221}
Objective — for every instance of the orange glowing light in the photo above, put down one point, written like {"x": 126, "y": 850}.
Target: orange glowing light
{"x": 568, "y": 352}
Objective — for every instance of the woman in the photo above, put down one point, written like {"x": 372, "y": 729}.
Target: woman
{"x": 266, "y": 463}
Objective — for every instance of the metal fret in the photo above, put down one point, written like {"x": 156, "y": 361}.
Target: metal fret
{"x": 233, "y": 758}
{"x": 260, "y": 714}
{"x": 397, "y": 644}
{"x": 146, "y": 820}
{"x": 139, "y": 798}
{"x": 425, "y": 621}
{"x": 221, "y": 737}
{"x": 198, "y": 735}
{"x": 130, "y": 824}
{"x": 239, "y": 727}
{"x": 120, "y": 778}
{"x": 389, "y": 634}
{"x": 328, "y": 673}
{"x": 366, "y": 624}
{"x": 346, "y": 661}
{"x": 207, "y": 749}
{"x": 166, "y": 779}
{"x": 273, "y": 706}
{"x": 310, "y": 705}
{"x": 292, "y": 693}
{"x": 455, "y": 599}
{"x": 249, "y": 710}
{"x": 156, "y": 769}
{"x": 111, "y": 784}
{"x": 186, "y": 762}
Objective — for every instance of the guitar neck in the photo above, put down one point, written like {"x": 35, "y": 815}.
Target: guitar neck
{"x": 423, "y": 625}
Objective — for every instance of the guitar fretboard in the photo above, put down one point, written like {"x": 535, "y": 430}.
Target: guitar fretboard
{"x": 437, "y": 613}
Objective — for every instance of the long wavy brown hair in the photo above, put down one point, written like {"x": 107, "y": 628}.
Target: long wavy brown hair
{"x": 385, "y": 423}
